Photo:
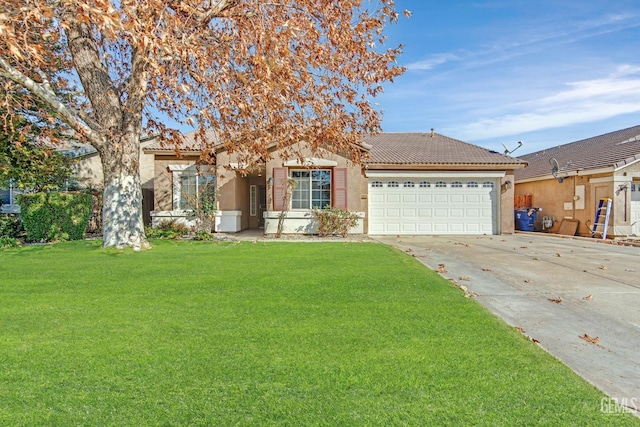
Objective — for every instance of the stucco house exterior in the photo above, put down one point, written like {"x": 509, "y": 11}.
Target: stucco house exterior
{"x": 410, "y": 184}
{"x": 604, "y": 166}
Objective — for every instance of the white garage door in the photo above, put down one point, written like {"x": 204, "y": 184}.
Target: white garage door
{"x": 433, "y": 206}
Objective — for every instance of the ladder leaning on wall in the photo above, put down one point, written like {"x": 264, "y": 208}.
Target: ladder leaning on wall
{"x": 601, "y": 222}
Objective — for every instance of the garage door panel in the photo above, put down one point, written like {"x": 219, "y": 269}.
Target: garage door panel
{"x": 392, "y": 213}
{"x": 441, "y": 213}
{"x": 409, "y": 198}
{"x": 440, "y": 198}
{"x": 432, "y": 210}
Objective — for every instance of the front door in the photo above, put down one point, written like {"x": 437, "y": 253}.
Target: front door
{"x": 262, "y": 204}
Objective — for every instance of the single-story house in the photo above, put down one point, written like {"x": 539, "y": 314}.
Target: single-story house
{"x": 409, "y": 184}
{"x": 603, "y": 167}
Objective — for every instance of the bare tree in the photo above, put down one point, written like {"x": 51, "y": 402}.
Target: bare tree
{"x": 261, "y": 73}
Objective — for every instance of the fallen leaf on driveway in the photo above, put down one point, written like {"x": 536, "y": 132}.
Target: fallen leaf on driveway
{"x": 408, "y": 250}
{"x": 523, "y": 247}
{"x": 603, "y": 267}
{"x": 486, "y": 269}
{"x": 555, "y": 300}
{"x": 629, "y": 269}
{"x": 519, "y": 329}
{"x": 441, "y": 268}
{"x": 536, "y": 259}
{"x": 464, "y": 278}
{"x": 558, "y": 255}
{"x": 454, "y": 281}
{"x": 534, "y": 340}
{"x": 588, "y": 297}
{"x": 463, "y": 287}
{"x": 527, "y": 281}
{"x": 592, "y": 340}
{"x": 470, "y": 295}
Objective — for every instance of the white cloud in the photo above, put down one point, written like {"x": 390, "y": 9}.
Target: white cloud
{"x": 583, "y": 101}
{"x": 433, "y": 61}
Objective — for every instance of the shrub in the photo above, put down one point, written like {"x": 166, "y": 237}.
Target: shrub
{"x": 9, "y": 242}
{"x": 335, "y": 222}
{"x": 168, "y": 230}
{"x": 10, "y": 226}
{"x": 55, "y": 216}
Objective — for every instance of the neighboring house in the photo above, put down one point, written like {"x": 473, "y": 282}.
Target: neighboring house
{"x": 605, "y": 166}
{"x": 410, "y": 184}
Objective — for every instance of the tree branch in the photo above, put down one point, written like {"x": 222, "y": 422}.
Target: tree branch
{"x": 64, "y": 112}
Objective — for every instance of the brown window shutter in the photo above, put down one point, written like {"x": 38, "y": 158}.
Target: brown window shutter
{"x": 279, "y": 188}
{"x": 339, "y": 186}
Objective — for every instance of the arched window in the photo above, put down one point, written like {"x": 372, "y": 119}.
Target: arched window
{"x": 393, "y": 184}
{"x": 456, "y": 184}
{"x": 472, "y": 184}
{"x": 409, "y": 184}
{"x": 441, "y": 184}
{"x": 425, "y": 184}
{"x": 376, "y": 184}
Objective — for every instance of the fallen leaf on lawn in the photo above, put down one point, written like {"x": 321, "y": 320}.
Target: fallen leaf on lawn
{"x": 519, "y": 329}
{"x": 588, "y": 297}
{"x": 592, "y": 340}
{"x": 603, "y": 267}
{"x": 534, "y": 340}
{"x": 555, "y": 300}
{"x": 441, "y": 268}
{"x": 464, "y": 278}
{"x": 558, "y": 255}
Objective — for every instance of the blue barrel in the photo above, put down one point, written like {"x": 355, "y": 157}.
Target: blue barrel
{"x": 525, "y": 218}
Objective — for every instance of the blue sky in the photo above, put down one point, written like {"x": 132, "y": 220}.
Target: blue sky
{"x": 545, "y": 72}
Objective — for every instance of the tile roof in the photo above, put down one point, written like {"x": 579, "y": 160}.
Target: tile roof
{"x": 189, "y": 143}
{"x": 611, "y": 150}
{"x": 423, "y": 148}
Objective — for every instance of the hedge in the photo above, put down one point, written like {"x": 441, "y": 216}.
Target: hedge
{"x": 55, "y": 216}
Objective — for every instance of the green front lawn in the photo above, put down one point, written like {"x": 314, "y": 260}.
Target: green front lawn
{"x": 202, "y": 333}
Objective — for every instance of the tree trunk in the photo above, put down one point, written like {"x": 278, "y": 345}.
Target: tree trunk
{"x": 122, "y": 224}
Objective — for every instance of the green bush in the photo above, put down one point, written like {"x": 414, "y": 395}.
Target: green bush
{"x": 10, "y": 226}
{"x": 55, "y": 216}
{"x": 9, "y": 242}
{"x": 170, "y": 229}
{"x": 335, "y": 222}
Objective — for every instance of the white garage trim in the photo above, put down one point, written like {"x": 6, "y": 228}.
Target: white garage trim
{"x": 441, "y": 203}
{"x": 435, "y": 174}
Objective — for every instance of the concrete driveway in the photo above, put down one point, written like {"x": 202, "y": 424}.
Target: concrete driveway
{"x": 595, "y": 288}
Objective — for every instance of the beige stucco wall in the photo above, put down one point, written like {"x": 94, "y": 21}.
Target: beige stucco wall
{"x": 354, "y": 177}
{"x": 507, "y": 190}
{"x": 88, "y": 169}
{"x": 163, "y": 180}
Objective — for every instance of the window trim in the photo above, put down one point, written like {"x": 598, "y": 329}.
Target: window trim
{"x": 311, "y": 171}
{"x": 177, "y": 171}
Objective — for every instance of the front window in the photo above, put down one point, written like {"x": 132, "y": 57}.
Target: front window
{"x": 193, "y": 188}
{"x": 312, "y": 189}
